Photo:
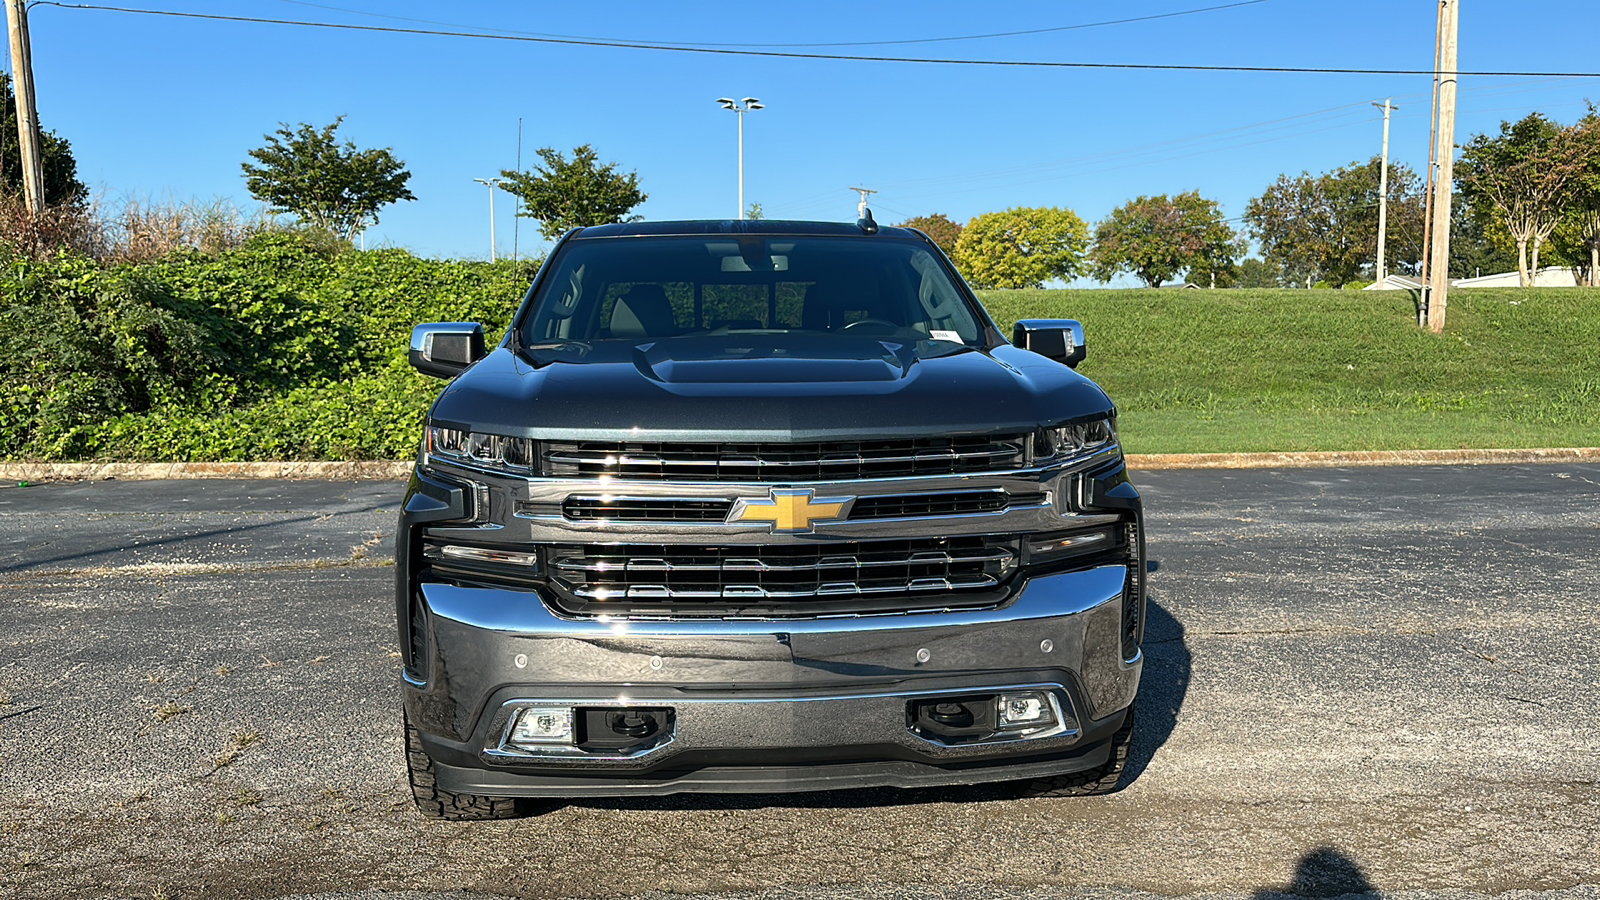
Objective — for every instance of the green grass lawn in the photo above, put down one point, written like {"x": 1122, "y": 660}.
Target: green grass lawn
{"x": 1258, "y": 370}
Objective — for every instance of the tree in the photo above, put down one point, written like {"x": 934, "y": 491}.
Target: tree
{"x": 1156, "y": 238}
{"x": 755, "y": 212}
{"x": 940, "y": 228}
{"x": 1522, "y": 174}
{"x": 1325, "y": 227}
{"x": 1479, "y": 242}
{"x": 1022, "y": 247}
{"x": 307, "y": 172}
{"x": 61, "y": 184}
{"x": 1255, "y": 273}
{"x": 1583, "y": 216}
{"x": 564, "y": 194}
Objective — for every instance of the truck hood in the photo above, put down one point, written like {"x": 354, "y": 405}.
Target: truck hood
{"x": 763, "y": 388}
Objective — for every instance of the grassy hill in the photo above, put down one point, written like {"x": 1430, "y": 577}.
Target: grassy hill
{"x": 1249, "y": 370}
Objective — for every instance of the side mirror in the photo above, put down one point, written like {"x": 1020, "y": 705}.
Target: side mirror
{"x": 443, "y": 349}
{"x": 1059, "y": 339}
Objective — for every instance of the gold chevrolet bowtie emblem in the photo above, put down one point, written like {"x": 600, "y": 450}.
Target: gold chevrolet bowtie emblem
{"x": 790, "y": 511}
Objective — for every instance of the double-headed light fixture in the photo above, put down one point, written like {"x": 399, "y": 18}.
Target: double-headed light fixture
{"x": 748, "y": 104}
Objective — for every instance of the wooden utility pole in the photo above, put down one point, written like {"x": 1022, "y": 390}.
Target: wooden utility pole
{"x": 1445, "y": 152}
{"x": 1433, "y": 169}
{"x": 27, "y": 107}
{"x": 1383, "y": 194}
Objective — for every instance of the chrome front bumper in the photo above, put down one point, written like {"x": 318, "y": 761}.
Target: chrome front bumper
{"x": 769, "y": 704}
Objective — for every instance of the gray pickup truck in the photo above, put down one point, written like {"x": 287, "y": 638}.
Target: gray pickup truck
{"x": 763, "y": 506}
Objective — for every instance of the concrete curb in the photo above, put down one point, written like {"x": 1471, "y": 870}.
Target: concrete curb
{"x": 1339, "y": 458}
{"x": 376, "y": 470}
{"x": 388, "y": 470}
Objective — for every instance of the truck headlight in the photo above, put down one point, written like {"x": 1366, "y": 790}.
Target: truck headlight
{"x": 488, "y": 451}
{"x": 1076, "y": 439}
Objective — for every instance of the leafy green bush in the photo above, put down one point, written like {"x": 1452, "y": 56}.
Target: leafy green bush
{"x": 287, "y": 347}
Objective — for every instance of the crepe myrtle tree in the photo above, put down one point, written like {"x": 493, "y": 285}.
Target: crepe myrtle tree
{"x": 572, "y": 193}
{"x": 1582, "y": 221}
{"x": 1022, "y": 247}
{"x": 1157, "y": 238}
{"x": 336, "y": 187}
{"x": 1522, "y": 176}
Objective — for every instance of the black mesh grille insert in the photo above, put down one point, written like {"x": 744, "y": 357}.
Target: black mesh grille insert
{"x": 784, "y": 462}
{"x": 908, "y": 505}
{"x": 639, "y": 509}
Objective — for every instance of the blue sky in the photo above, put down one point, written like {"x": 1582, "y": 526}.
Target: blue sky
{"x": 165, "y": 108}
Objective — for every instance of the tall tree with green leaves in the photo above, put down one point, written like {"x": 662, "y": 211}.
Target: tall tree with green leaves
{"x": 1255, "y": 273}
{"x": 1523, "y": 175}
{"x": 1158, "y": 238}
{"x": 1479, "y": 243}
{"x": 944, "y": 231}
{"x": 1583, "y": 212}
{"x": 1022, "y": 247}
{"x": 336, "y": 187}
{"x": 61, "y": 184}
{"x": 572, "y": 193}
{"x": 1325, "y": 227}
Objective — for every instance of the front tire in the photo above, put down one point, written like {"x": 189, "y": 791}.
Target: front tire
{"x": 1101, "y": 780}
{"x": 437, "y": 803}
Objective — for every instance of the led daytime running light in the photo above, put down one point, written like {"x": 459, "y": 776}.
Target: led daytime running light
{"x": 1077, "y": 439}
{"x": 490, "y": 451}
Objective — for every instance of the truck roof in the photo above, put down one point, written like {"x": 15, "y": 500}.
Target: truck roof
{"x": 736, "y": 226}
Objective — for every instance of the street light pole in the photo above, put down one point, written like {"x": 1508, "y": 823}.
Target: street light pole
{"x": 491, "y": 184}
{"x": 749, "y": 104}
{"x": 1383, "y": 194}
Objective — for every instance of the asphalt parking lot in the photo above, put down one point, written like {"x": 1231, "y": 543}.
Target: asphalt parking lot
{"x": 1359, "y": 680}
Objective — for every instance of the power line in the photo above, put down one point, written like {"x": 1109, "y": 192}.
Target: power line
{"x": 723, "y": 51}
{"x": 932, "y": 40}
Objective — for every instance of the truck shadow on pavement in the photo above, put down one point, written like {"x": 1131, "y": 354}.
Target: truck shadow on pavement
{"x": 1323, "y": 872}
{"x": 1168, "y": 665}
{"x": 1162, "y": 690}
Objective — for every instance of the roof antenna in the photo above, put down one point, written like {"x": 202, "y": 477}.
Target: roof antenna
{"x": 866, "y": 223}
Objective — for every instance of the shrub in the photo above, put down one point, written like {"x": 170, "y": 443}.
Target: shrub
{"x": 287, "y": 346}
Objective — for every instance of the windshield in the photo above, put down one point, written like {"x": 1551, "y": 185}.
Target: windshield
{"x": 661, "y": 288}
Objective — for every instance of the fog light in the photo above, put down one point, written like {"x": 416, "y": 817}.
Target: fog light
{"x": 1024, "y": 711}
{"x": 542, "y": 725}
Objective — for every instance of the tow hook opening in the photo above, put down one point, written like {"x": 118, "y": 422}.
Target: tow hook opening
{"x": 982, "y": 718}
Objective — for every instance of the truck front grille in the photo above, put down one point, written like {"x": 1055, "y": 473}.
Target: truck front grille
{"x": 805, "y": 579}
{"x": 608, "y": 508}
{"x": 841, "y": 461}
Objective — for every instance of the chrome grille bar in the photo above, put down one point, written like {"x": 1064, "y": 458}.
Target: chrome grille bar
{"x": 757, "y": 565}
{"x": 781, "y": 462}
{"x": 756, "y": 592}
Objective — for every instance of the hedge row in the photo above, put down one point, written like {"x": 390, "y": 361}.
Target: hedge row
{"x": 281, "y": 349}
